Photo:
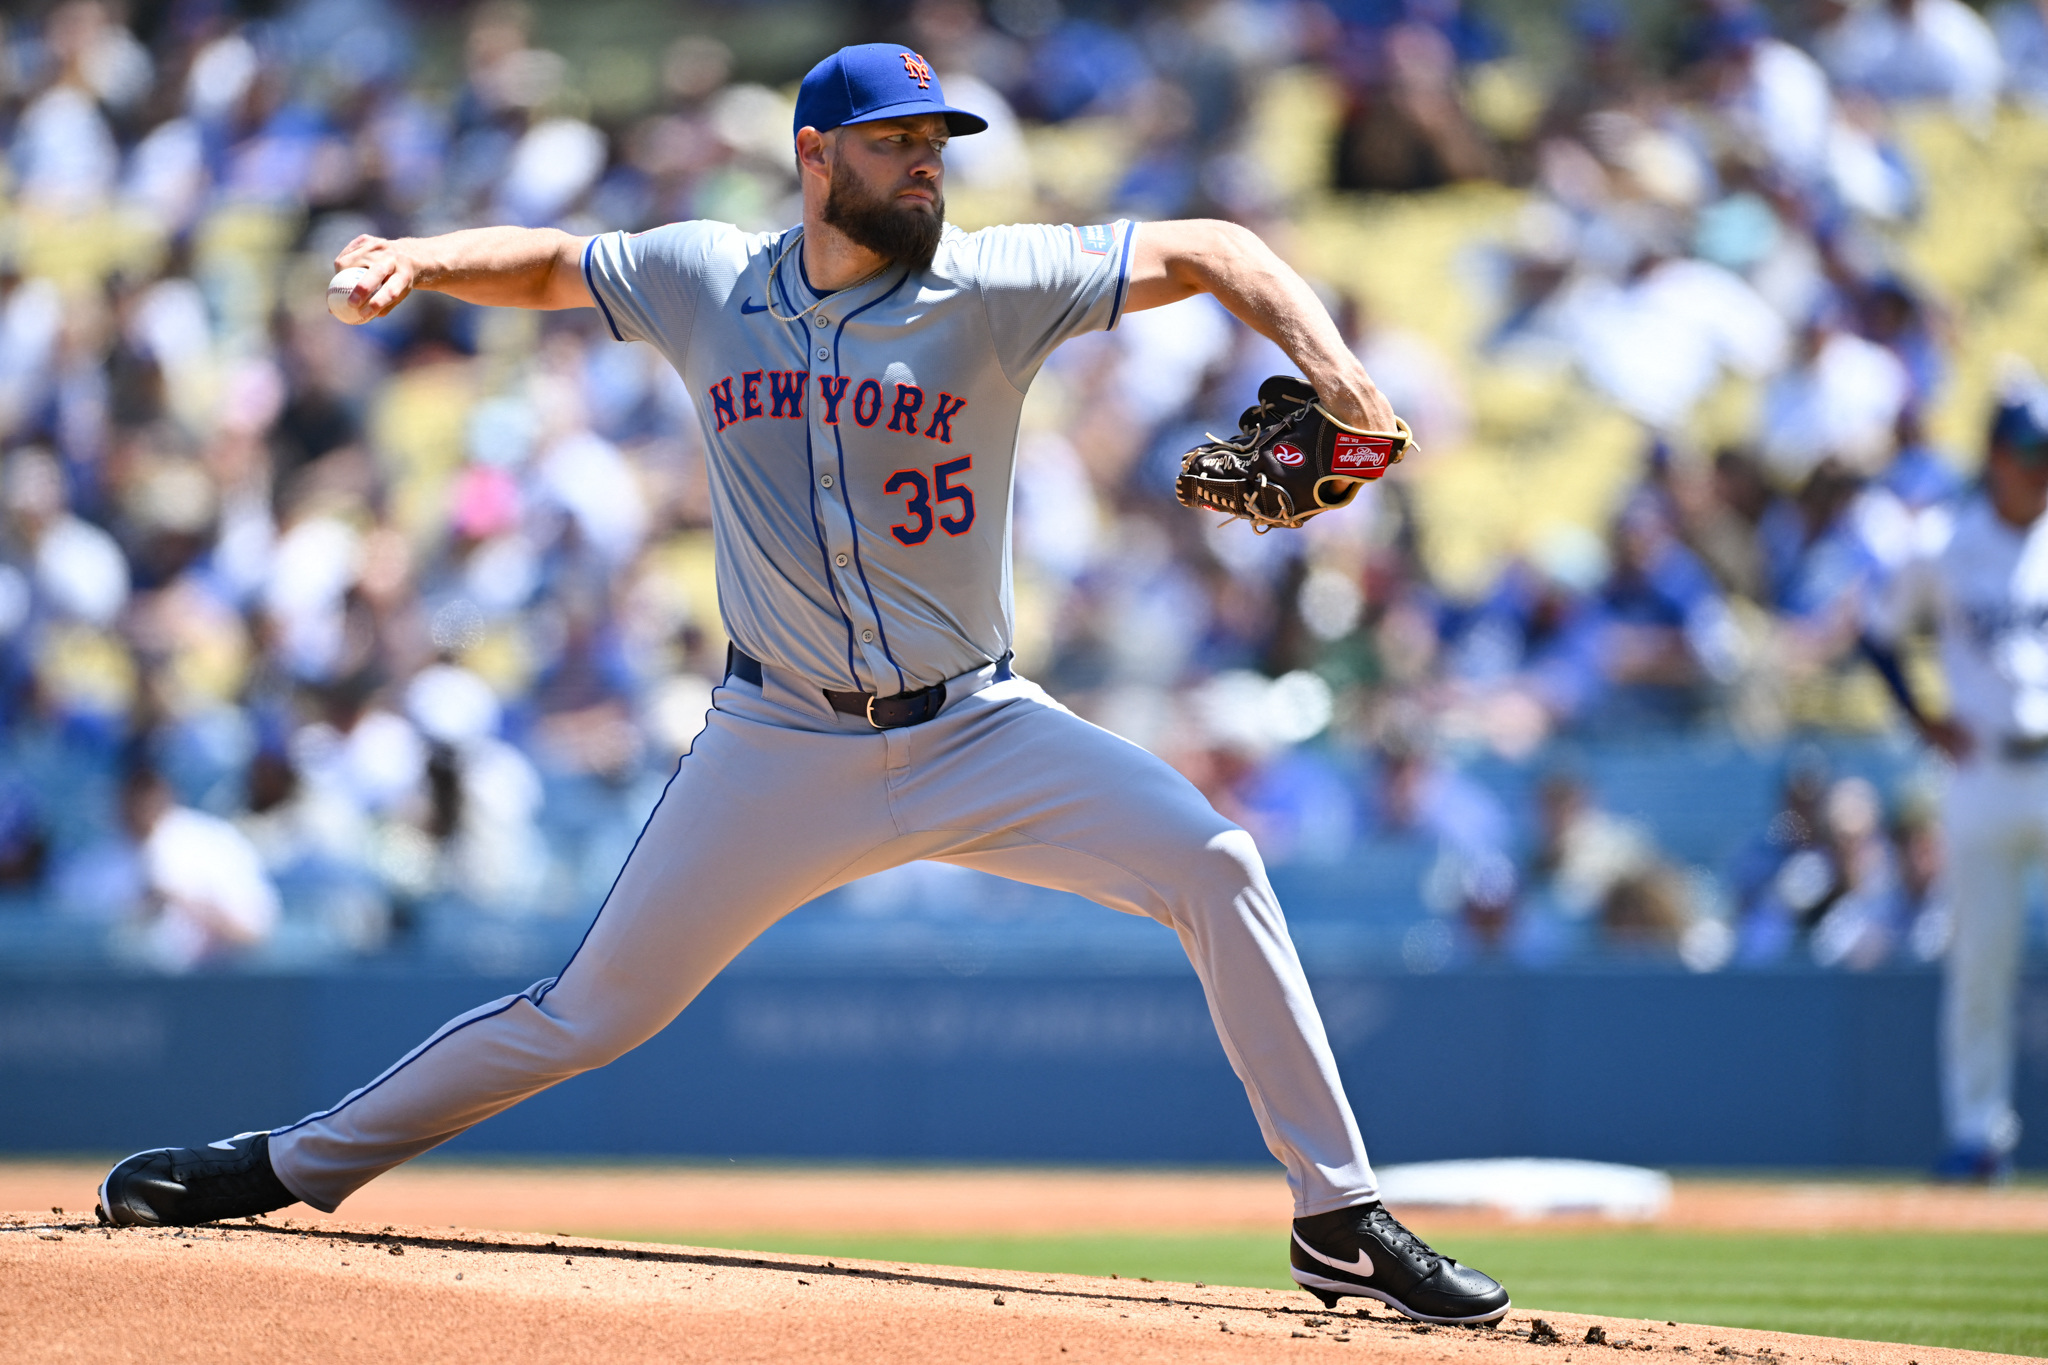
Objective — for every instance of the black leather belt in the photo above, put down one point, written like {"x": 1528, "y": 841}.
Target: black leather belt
{"x": 884, "y": 713}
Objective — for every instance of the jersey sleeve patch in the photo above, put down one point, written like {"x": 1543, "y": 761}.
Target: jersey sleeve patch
{"x": 1098, "y": 239}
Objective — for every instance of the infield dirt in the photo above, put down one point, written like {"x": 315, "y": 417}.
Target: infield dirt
{"x": 292, "y": 1289}
{"x": 663, "y": 1200}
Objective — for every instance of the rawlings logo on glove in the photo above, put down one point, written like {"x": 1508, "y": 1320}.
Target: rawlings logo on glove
{"x": 1366, "y": 456}
{"x": 1291, "y": 460}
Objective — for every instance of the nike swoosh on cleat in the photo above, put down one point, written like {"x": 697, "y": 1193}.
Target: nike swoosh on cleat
{"x": 749, "y": 306}
{"x": 1362, "y": 1268}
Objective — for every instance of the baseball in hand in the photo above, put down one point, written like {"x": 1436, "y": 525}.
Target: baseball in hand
{"x": 338, "y": 290}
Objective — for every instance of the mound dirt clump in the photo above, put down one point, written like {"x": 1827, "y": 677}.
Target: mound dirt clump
{"x": 346, "y": 1292}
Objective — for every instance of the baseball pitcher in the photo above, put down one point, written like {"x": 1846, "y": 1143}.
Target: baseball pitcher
{"x": 859, "y": 378}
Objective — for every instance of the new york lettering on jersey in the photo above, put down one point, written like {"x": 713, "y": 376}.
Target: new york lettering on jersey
{"x": 862, "y": 442}
{"x": 786, "y": 400}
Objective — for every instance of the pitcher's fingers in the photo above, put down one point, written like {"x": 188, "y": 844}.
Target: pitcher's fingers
{"x": 358, "y": 251}
{"x": 392, "y": 291}
{"x": 376, "y": 272}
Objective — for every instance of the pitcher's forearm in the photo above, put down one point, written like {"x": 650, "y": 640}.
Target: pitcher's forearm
{"x": 506, "y": 267}
{"x": 1263, "y": 291}
{"x": 1176, "y": 259}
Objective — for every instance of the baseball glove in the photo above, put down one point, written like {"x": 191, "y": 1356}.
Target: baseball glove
{"x": 1290, "y": 460}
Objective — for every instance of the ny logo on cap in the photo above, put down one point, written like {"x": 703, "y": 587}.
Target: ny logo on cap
{"x": 915, "y": 66}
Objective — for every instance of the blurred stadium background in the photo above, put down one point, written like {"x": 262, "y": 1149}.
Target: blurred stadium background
{"x": 338, "y": 667}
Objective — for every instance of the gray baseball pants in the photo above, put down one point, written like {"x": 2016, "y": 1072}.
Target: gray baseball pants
{"x": 1004, "y": 780}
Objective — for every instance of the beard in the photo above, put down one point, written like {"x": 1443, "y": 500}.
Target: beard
{"x": 904, "y": 233}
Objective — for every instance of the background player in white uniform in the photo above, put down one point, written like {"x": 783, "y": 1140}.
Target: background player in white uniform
{"x": 860, "y": 379}
{"x": 1986, "y": 593}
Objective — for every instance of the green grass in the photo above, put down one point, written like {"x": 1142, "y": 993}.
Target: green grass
{"x": 1980, "y": 1292}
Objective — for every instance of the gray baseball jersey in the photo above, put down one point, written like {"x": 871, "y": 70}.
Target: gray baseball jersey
{"x": 861, "y": 455}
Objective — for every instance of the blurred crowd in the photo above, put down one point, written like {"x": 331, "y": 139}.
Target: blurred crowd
{"x": 330, "y": 634}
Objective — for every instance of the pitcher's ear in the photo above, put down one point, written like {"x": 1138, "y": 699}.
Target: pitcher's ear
{"x": 813, "y": 148}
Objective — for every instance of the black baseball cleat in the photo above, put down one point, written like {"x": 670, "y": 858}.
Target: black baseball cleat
{"x": 180, "y": 1186}
{"x": 1364, "y": 1252}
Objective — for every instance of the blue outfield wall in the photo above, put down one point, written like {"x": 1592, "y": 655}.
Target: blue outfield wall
{"x": 1801, "y": 1069}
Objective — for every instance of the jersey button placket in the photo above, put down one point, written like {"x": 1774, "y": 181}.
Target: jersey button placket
{"x": 849, "y": 585}
{"x": 839, "y": 516}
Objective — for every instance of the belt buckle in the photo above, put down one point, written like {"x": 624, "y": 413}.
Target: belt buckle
{"x": 871, "y": 712}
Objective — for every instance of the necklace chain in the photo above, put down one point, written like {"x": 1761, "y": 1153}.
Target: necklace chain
{"x": 794, "y": 238}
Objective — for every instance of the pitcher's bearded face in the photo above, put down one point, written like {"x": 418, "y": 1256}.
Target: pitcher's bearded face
{"x": 898, "y": 227}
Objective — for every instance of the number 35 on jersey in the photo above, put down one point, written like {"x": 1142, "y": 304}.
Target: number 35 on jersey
{"x": 920, "y": 491}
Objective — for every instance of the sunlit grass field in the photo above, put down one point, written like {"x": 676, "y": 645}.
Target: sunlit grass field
{"x": 1985, "y": 1292}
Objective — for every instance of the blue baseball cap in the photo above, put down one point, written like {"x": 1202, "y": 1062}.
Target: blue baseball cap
{"x": 871, "y": 81}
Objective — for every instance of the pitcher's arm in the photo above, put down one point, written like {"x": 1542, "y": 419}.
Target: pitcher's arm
{"x": 507, "y": 267}
{"x": 1170, "y": 261}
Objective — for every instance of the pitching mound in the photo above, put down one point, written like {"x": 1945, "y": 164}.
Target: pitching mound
{"x": 345, "y": 1292}
{"x": 658, "y": 1200}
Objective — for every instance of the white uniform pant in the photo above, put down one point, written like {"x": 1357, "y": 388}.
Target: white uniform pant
{"x": 782, "y": 799}
{"x": 1996, "y": 826}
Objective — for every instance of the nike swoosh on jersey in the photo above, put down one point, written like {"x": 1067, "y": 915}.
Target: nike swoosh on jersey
{"x": 749, "y": 306}
{"x": 1362, "y": 1268}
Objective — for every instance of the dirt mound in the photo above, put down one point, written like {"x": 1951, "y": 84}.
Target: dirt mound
{"x": 344, "y": 1292}
{"x": 670, "y": 1198}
